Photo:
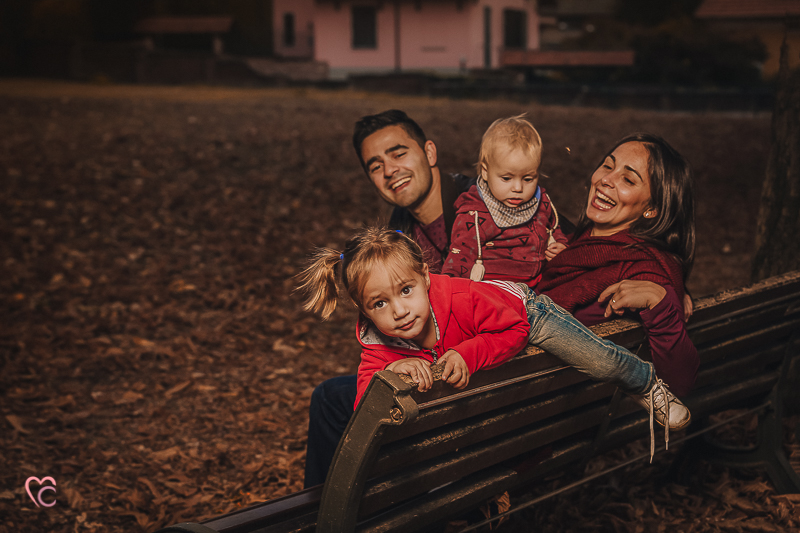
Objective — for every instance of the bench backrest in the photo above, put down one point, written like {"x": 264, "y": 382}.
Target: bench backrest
{"x": 409, "y": 459}
{"x": 534, "y": 415}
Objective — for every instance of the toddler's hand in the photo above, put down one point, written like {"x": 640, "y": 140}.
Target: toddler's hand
{"x": 554, "y": 249}
{"x": 418, "y": 369}
{"x": 455, "y": 370}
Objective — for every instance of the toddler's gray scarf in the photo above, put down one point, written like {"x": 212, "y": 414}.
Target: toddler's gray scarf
{"x": 504, "y": 216}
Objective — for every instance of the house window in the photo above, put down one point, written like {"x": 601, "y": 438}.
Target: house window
{"x": 288, "y": 29}
{"x": 365, "y": 27}
{"x": 514, "y": 34}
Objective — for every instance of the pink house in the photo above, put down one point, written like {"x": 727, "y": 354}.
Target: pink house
{"x": 293, "y": 28}
{"x": 440, "y": 36}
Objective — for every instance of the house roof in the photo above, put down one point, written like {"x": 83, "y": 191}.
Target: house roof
{"x": 748, "y": 9}
{"x": 184, "y": 25}
{"x": 567, "y": 58}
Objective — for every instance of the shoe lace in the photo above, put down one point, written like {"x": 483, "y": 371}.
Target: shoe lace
{"x": 658, "y": 392}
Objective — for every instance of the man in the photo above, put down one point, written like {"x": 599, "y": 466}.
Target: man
{"x": 402, "y": 165}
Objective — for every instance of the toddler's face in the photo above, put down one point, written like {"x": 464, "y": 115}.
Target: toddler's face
{"x": 512, "y": 175}
{"x": 396, "y": 301}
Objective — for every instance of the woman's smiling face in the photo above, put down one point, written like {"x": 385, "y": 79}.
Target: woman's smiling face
{"x": 620, "y": 190}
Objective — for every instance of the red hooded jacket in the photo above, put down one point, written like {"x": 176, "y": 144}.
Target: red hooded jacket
{"x": 486, "y": 324}
{"x": 514, "y": 254}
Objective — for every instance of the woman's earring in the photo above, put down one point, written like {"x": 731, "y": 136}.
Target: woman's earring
{"x": 648, "y": 214}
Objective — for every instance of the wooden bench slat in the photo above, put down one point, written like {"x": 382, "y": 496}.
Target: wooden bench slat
{"x": 754, "y": 363}
{"x": 428, "y": 475}
{"x": 492, "y": 424}
{"x": 772, "y": 318}
{"x": 450, "y": 500}
{"x": 280, "y": 510}
{"x": 477, "y": 401}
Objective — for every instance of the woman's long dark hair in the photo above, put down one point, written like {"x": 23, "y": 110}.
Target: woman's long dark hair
{"x": 672, "y": 195}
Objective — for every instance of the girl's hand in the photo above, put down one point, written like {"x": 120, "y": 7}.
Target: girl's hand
{"x": 554, "y": 249}
{"x": 418, "y": 369}
{"x": 455, "y": 370}
{"x": 631, "y": 294}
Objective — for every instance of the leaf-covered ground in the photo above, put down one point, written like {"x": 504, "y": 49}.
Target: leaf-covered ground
{"x": 155, "y": 362}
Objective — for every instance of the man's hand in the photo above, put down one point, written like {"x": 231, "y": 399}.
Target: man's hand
{"x": 455, "y": 370}
{"x": 554, "y": 249}
{"x": 418, "y": 369}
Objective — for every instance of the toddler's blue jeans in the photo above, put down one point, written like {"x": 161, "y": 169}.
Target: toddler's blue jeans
{"x": 558, "y": 332}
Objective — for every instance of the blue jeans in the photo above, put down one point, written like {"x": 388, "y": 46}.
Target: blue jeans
{"x": 559, "y": 333}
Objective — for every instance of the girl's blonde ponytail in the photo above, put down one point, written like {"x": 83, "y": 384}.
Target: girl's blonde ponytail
{"x": 318, "y": 282}
{"x": 365, "y": 250}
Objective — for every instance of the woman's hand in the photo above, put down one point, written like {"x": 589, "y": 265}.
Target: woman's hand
{"x": 631, "y": 294}
{"x": 688, "y": 306}
{"x": 554, "y": 249}
{"x": 418, "y": 369}
{"x": 455, "y": 370}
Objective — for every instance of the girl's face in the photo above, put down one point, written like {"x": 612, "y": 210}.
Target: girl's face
{"x": 396, "y": 301}
{"x": 620, "y": 190}
{"x": 512, "y": 175}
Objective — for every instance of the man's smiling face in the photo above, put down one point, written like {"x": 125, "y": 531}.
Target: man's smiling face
{"x": 399, "y": 167}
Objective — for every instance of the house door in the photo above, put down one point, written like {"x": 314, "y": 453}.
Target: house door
{"x": 487, "y": 37}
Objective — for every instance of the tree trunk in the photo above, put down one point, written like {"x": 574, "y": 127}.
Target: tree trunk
{"x": 778, "y": 231}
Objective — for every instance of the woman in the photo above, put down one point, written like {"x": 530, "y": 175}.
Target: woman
{"x": 632, "y": 250}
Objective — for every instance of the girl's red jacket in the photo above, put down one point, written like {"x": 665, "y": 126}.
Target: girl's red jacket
{"x": 485, "y": 322}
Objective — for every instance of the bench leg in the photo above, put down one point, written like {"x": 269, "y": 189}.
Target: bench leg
{"x": 766, "y": 454}
{"x": 386, "y": 402}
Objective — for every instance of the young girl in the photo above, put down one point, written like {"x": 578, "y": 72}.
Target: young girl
{"x": 505, "y": 226}
{"x": 411, "y": 319}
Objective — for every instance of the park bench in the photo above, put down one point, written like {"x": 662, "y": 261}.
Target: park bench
{"x": 410, "y": 461}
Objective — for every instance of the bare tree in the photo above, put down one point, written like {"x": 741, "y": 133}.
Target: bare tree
{"x": 778, "y": 231}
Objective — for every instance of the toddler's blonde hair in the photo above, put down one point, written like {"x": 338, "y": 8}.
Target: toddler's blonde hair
{"x": 513, "y": 132}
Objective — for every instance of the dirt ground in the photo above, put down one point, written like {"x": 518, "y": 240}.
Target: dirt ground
{"x": 155, "y": 362}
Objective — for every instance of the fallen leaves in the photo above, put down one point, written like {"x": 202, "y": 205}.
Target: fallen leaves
{"x": 154, "y": 359}
{"x": 128, "y": 397}
{"x": 177, "y": 388}
{"x": 16, "y": 423}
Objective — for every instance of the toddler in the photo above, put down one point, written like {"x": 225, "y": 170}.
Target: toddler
{"x": 411, "y": 319}
{"x": 506, "y": 225}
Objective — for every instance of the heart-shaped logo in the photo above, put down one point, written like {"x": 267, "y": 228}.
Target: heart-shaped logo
{"x": 38, "y": 499}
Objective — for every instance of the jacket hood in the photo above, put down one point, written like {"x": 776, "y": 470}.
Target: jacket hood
{"x": 471, "y": 201}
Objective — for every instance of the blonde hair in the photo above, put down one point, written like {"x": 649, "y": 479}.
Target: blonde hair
{"x": 513, "y": 132}
{"x": 361, "y": 253}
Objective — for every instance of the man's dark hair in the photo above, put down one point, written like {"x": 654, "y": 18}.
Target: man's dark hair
{"x": 369, "y": 124}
